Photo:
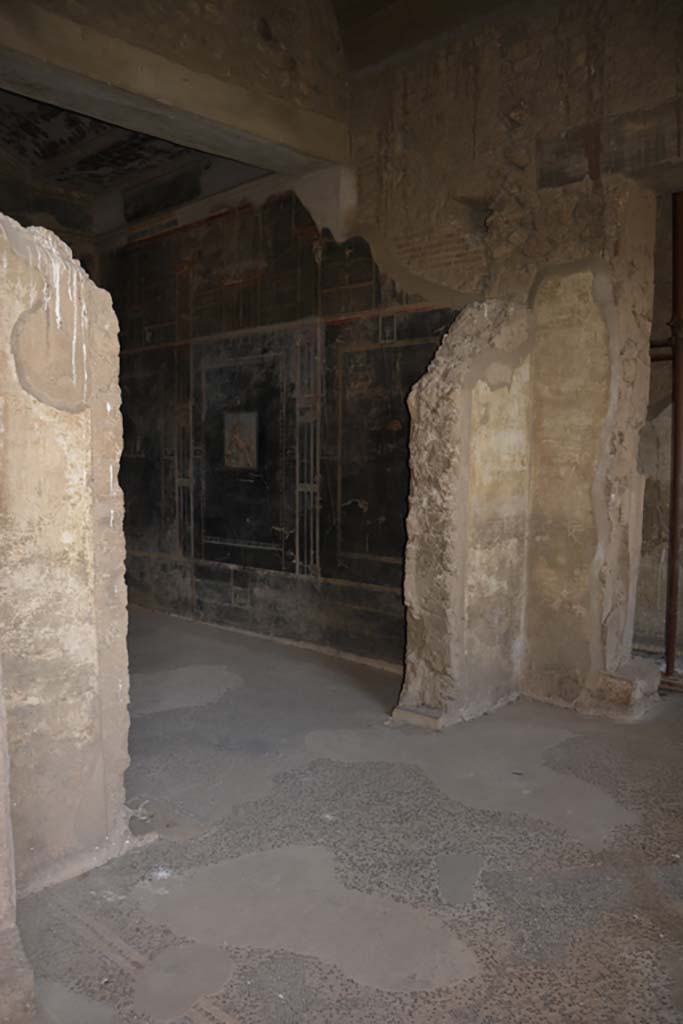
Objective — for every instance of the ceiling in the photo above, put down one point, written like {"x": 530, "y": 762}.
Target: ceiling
{"x": 50, "y": 148}
{"x": 59, "y": 147}
{"x": 349, "y": 12}
{"x": 374, "y": 30}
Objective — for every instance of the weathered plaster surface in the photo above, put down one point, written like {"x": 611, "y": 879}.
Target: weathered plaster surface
{"x": 655, "y": 458}
{"x": 540, "y": 117}
{"x": 625, "y": 297}
{"x": 571, "y": 382}
{"x": 465, "y": 559}
{"x": 16, "y": 979}
{"x": 7, "y": 883}
{"x": 289, "y": 50}
{"x": 527, "y": 109}
{"x": 62, "y": 596}
{"x": 655, "y": 462}
{"x": 526, "y": 499}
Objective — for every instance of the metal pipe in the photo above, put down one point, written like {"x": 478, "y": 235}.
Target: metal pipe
{"x": 676, "y": 438}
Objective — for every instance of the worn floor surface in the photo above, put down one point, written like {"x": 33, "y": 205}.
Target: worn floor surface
{"x": 316, "y": 864}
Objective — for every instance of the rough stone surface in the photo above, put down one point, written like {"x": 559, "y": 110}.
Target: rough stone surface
{"x": 465, "y": 558}
{"x": 655, "y": 461}
{"x": 526, "y": 497}
{"x": 655, "y": 458}
{"x": 16, "y": 978}
{"x": 542, "y": 843}
{"x": 7, "y": 878}
{"x": 62, "y": 596}
{"x": 539, "y": 116}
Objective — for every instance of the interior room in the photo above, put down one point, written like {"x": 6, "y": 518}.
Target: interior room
{"x": 341, "y": 442}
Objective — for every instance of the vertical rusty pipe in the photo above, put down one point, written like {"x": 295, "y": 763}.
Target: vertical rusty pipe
{"x": 676, "y": 438}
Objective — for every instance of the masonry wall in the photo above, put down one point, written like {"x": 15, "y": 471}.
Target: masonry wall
{"x": 465, "y": 145}
{"x": 289, "y": 50}
{"x": 62, "y": 595}
{"x": 540, "y": 114}
{"x": 526, "y": 499}
{"x": 16, "y": 978}
{"x": 264, "y": 375}
{"x": 466, "y": 560}
{"x": 655, "y": 458}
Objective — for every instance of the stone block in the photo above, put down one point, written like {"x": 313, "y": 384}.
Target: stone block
{"x": 626, "y": 694}
{"x": 62, "y": 592}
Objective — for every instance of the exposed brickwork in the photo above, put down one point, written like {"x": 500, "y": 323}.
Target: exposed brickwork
{"x": 511, "y": 102}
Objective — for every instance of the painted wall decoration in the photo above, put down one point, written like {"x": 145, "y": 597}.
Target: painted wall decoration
{"x": 240, "y": 433}
{"x": 265, "y": 370}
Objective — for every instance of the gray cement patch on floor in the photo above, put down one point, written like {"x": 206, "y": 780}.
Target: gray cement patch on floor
{"x": 291, "y": 899}
{"x": 186, "y": 687}
{"x": 495, "y": 763}
{"x": 170, "y": 984}
{"x": 458, "y": 874}
{"x": 58, "y": 1004}
{"x": 203, "y": 782}
{"x": 207, "y": 759}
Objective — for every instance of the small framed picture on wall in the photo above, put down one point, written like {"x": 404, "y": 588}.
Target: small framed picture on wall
{"x": 241, "y": 440}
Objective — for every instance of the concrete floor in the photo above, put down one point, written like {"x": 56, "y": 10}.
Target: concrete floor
{"x": 318, "y": 864}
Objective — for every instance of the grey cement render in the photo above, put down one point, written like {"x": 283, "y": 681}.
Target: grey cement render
{"x": 318, "y": 863}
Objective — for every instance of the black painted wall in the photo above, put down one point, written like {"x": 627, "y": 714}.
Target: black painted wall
{"x": 264, "y": 375}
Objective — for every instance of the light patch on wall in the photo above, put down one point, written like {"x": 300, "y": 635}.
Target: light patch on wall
{"x": 241, "y": 440}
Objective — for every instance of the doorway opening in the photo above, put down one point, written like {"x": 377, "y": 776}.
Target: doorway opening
{"x": 265, "y": 367}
